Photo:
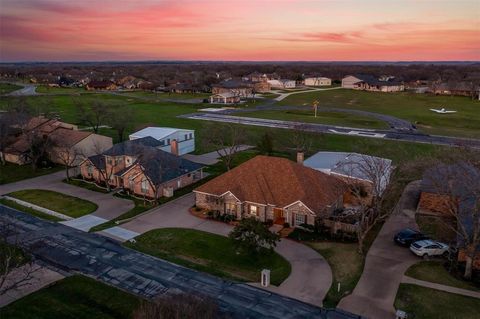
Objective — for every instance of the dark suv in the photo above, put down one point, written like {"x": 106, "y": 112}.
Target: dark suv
{"x": 407, "y": 236}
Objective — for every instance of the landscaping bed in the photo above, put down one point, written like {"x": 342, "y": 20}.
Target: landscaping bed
{"x": 211, "y": 253}
{"x": 75, "y": 297}
{"x": 58, "y": 202}
{"x": 91, "y": 186}
{"x": 430, "y": 303}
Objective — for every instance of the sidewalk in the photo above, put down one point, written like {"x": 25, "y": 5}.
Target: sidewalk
{"x": 450, "y": 289}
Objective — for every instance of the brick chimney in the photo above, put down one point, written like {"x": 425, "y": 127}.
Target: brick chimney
{"x": 174, "y": 147}
{"x": 300, "y": 157}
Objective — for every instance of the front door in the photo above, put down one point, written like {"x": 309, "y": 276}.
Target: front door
{"x": 278, "y": 216}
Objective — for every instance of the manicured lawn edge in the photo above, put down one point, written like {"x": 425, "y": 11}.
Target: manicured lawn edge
{"x": 28, "y": 210}
{"x": 430, "y": 303}
{"x": 55, "y": 201}
{"x": 210, "y": 253}
{"x": 434, "y": 271}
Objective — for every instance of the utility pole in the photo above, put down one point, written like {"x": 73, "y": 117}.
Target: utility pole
{"x": 315, "y": 106}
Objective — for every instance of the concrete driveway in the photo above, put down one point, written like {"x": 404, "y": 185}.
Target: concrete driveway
{"x": 386, "y": 262}
{"x": 311, "y": 276}
{"x": 109, "y": 206}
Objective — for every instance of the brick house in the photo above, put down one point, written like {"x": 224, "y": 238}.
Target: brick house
{"x": 100, "y": 85}
{"x": 446, "y": 195}
{"x": 225, "y": 98}
{"x": 275, "y": 189}
{"x": 139, "y": 167}
{"x": 240, "y": 88}
{"x": 66, "y": 144}
{"x": 366, "y": 82}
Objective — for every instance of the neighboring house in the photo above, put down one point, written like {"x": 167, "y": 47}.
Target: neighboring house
{"x": 450, "y": 190}
{"x": 282, "y": 84}
{"x": 173, "y": 140}
{"x": 225, "y": 98}
{"x": 318, "y": 81}
{"x": 100, "y": 85}
{"x": 61, "y": 137}
{"x": 180, "y": 87}
{"x": 370, "y": 83}
{"x": 455, "y": 88}
{"x": 241, "y": 88}
{"x": 260, "y": 77}
{"x": 273, "y": 189}
{"x": 370, "y": 171}
{"x": 141, "y": 168}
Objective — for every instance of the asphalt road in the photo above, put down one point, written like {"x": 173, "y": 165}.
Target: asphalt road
{"x": 393, "y": 134}
{"x": 27, "y": 90}
{"x": 106, "y": 260}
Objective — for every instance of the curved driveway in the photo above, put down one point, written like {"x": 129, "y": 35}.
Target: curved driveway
{"x": 109, "y": 206}
{"x": 309, "y": 280}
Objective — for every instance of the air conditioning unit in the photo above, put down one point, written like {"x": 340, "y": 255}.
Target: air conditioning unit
{"x": 168, "y": 192}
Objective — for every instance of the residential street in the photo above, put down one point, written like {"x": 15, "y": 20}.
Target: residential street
{"x": 109, "y": 206}
{"x": 386, "y": 262}
{"x": 311, "y": 275}
{"x": 147, "y": 276}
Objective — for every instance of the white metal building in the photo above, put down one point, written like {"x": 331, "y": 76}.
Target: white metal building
{"x": 174, "y": 140}
{"x": 318, "y": 81}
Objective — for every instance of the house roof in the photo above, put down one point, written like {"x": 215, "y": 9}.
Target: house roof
{"x": 156, "y": 132}
{"x": 132, "y": 147}
{"x": 67, "y": 137}
{"x": 227, "y": 94}
{"x": 99, "y": 84}
{"x": 345, "y": 163}
{"x": 98, "y": 161}
{"x": 277, "y": 181}
{"x": 373, "y": 80}
{"x": 233, "y": 84}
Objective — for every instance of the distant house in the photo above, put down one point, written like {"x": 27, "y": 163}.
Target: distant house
{"x": 273, "y": 189}
{"x": 173, "y": 140}
{"x": 371, "y": 83}
{"x": 225, "y": 98}
{"x": 450, "y": 192}
{"x": 100, "y": 85}
{"x": 180, "y": 87}
{"x": 455, "y": 88}
{"x": 368, "y": 170}
{"x": 241, "y": 88}
{"x": 282, "y": 84}
{"x": 139, "y": 167}
{"x": 61, "y": 138}
{"x": 317, "y": 81}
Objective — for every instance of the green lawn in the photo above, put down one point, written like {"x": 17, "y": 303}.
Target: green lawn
{"x": 210, "y": 253}
{"x": 60, "y": 203}
{"x": 6, "y": 88}
{"x": 165, "y": 114}
{"x": 31, "y": 211}
{"x": 434, "y": 271}
{"x": 347, "y": 267}
{"x": 75, "y": 297}
{"x": 332, "y": 118}
{"x": 59, "y": 90}
{"x": 409, "y": 106}
{"x": 10, "y": 173}
{"x": 426, "y": 303}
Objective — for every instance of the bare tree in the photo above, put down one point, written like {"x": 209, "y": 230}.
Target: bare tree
{"x": 93, "y": 116}
{"x": 16, "y": 268}
{"x": 460, "y": 183}
{"x": 227, "y": 140}
{"x": 38, "y": 147}
{"x": 368, "y": 178}
{"x": 301, "y": 138}
{"x": 121, "y": 120}
{"x": 11, "y": 122}
{"x": 67, "y": 155}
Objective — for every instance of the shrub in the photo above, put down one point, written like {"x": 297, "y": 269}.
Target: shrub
{"x": 286, "y": 225}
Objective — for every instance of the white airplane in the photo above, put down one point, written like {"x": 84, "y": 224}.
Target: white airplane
{"x": 442, "y": 111}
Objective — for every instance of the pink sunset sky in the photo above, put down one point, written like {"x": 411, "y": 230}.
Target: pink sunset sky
{"x": 310, "y": 30}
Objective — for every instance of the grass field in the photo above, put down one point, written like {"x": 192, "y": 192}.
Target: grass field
{"x": 6, "y": 88}
{"x": 210, "y": 253}
{"x": 409, "y": 106}
{"x": 60, "y": 203}
{"x": 10, "y": 173}
{"x": 31, "y": 211}
{"x": 333, "y": 118}
{"x": 75, "y": 297}
{"x": 345, "y": 273}
{"x": 59, "y": 90}
{"x": 165, "y": 114}
{"x": 426, "y": 303}
{"x": 434, "y": 271}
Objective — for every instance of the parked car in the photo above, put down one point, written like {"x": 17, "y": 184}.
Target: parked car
{"x": 429, "y": 248}
{"x": 407, "y": 236}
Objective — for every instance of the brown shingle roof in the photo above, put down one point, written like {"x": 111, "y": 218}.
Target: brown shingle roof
{"x": 277, "y": 181}
{"x": 67, "y": 137}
